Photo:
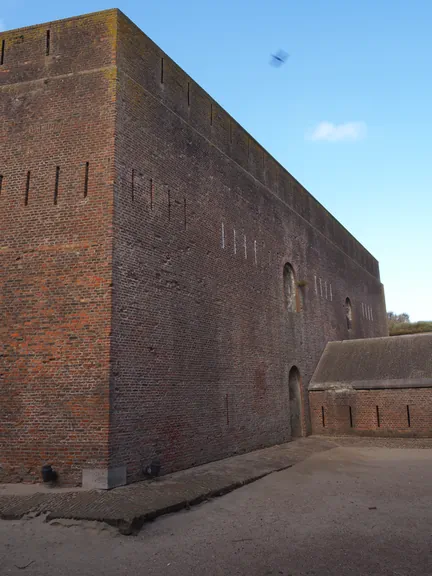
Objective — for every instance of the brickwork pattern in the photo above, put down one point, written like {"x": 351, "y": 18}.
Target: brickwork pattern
{"x": 57, "y": 106}
{"x": 144, "y": 234}
{"x": 392, "y": 412}
{"x": 204, "y": 223}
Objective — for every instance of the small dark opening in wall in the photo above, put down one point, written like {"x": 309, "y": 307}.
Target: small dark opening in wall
{"x": 56, "y": 187}
{"x": 227, "y": 410}
{"x": 323, "y": 416}
{"x": 408, "y": 417}
{"x": 351, "y": 417}
{"x": 211, "y": 114}
{"x": 27, "y": 190}
{"x": 86, "y": 179}
{"x": 1, "y": 183}
{"x": 2, "y": 53}
{"x": 378, "y": 416}
{"x": 162, "y": 71}
{"x": 48, "y": 39}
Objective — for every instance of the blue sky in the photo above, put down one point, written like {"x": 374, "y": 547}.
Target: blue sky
{"x": 349, "y": 114}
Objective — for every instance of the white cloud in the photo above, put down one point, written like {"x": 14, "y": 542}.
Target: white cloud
{"x": 338, "y": 132}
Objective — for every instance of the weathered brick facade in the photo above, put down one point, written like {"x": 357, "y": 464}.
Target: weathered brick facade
{"x": 143, "y": 241}
{"x": 57, "y": 112}
{"x": 391, "y": 412}
{"x": 374, "y": 387}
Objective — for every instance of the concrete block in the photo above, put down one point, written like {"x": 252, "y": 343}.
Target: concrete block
{"x": 103, "y": 478}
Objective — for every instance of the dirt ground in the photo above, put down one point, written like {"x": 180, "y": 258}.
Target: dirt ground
{"x": 360, "y": 511}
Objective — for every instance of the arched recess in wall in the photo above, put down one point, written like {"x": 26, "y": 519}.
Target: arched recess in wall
{"x": 348, "y": 313}
{"x": 295, "y": 402}
{"x": 291, "y": 295}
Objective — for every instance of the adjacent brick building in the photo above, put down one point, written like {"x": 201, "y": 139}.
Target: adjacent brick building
{"x": 167, "y": 288}
{"x": 374, "y": 387}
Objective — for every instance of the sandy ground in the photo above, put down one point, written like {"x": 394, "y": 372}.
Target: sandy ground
{"x": 361, "y": 511}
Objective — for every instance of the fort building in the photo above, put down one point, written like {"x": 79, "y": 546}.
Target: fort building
{"x": 167, "y": 288}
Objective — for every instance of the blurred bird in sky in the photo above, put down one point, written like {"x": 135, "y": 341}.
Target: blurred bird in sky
{"x": 279, "y": 58}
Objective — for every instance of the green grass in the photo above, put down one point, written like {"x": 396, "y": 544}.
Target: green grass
{"x": 409, "y": 328}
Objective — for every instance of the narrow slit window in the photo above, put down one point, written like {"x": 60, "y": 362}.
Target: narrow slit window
{"x": 162, "y": 71}
{"x": 378, "y": 416}
{"x": 408, "y": 416}
{"x": 56, "y": 187}
{"x": 48, "y": 42}
{"x": 2, "y": 53}
{"x": 86, "y": 179}
{"x": 227, "y": 410}
{"x": 1, "y": 183}
{"x": 27, "y": 190}
{"x": 323, "y": 416}
{"x": 350, "y": 416}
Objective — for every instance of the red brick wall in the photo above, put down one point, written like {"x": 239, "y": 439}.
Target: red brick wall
{"x": 390, "y": 420}
{"x": 151, "y": 321}
{"x": 202, "y": 342}
{"x": 56, "y": 110}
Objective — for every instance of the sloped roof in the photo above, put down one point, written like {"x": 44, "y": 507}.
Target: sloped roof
{"x": 371, "y": 363}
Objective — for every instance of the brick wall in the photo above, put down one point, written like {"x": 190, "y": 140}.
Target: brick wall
{"x": 392, "y": 412}
{"x": 56, "y": 169}
{"x": 144, "y": 234}
{"x": 205, "y": 221}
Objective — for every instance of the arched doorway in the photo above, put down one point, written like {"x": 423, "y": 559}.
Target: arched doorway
{"x": 294, "y": 387}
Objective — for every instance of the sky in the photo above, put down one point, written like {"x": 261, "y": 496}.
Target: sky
{"x": 349, "y": 114}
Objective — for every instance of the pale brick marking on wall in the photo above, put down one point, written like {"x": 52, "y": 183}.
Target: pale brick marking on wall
{"x": 367, "y": 311}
